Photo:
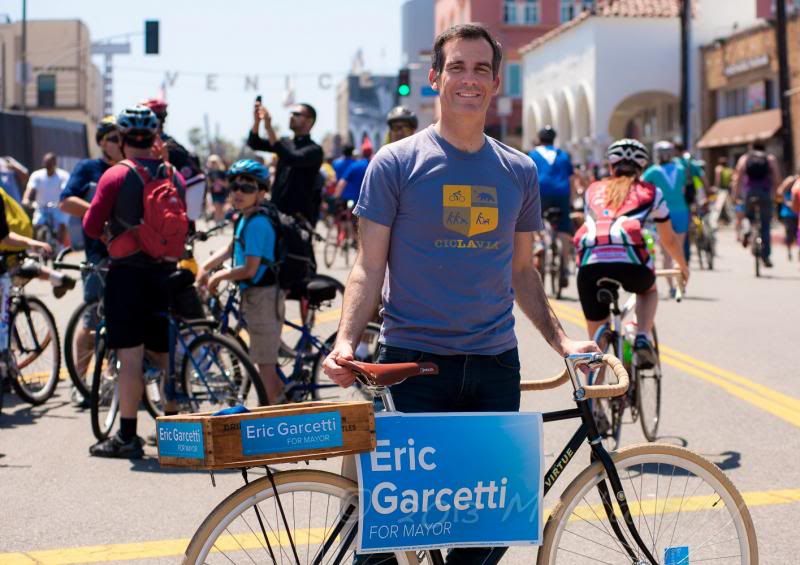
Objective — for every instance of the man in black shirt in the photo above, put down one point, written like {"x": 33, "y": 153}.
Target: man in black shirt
{"x": 299, "y": 160}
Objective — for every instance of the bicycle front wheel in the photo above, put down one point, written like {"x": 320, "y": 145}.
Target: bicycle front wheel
{"x": 316, "y": 522}
{"x": 216, "y": 374}
{"x": 79, "y": 349}
{"x": 36, "y": 350}
{"x": 648, "y": 394}
{"x": 685, "y": 509}
{"x": 104, "y": 397}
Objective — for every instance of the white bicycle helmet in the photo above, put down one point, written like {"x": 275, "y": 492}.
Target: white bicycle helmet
{"x": 629, "y": 150}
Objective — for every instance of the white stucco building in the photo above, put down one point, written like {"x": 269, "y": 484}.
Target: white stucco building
{"x": 615, "y": 72}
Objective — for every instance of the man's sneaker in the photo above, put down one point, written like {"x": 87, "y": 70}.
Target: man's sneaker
{"x": 67, "y": 284}
{"x": 644, "y": 351}
{"x": 117, "y": 448}
{"x": 767, "y": 262}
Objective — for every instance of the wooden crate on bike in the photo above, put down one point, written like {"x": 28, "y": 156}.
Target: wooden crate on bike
{"x": 267, "y": 435}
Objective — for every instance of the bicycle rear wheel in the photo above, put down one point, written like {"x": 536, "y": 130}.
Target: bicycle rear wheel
{"x": 79, "y": 357}
{"x": 36, "y": 350}
{"x": 757, "y": 246}
{"x": 104, "y": 397}
{"x": 216, "y": 374}
{"x": 648, "y": 394}
{"x": 331, "y": 245}
{"x": 681, "y": 504}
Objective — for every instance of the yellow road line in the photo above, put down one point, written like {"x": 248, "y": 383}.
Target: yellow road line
{"x": 176, "y": 547}
{"x": 776, "y": 403}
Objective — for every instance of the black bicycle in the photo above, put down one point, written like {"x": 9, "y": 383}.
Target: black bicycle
{"x": 644, "y": 505}
{"x": 549, "y": 254}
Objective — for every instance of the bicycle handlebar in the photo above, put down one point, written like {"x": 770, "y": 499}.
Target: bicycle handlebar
{"x": 588, "y": 391}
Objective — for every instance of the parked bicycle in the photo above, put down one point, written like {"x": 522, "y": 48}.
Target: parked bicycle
{"x": 205, "y": 371}
{"x": 637, "y": 505}
{"x": 30, "y": 353}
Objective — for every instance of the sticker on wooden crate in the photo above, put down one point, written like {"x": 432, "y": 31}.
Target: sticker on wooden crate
{"x": 291, "y": 433}
{"x": 181, "y": 439}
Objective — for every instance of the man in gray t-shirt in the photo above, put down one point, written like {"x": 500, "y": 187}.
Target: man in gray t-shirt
{"x": 447, "y": 218}
{"x": 446, "y": 222}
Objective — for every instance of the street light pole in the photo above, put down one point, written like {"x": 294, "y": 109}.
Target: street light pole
{"x": 686, "y": 15}
{"x": 783, "y": 88}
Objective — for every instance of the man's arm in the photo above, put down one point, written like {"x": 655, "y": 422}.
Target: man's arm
{"x": 309, "y": 156}
{"x": 738, "y": 177}
{"x": 532, "y": 300}
{"x": 102, "y": 205}
{"x": 30, "y": 191}
{"x": 361, "y": 296}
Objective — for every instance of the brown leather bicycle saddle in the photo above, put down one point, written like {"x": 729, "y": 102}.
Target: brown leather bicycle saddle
{"x": 388, "y": 374}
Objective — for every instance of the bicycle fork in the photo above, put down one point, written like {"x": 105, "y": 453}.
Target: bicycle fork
{"x": 599, "y": 453}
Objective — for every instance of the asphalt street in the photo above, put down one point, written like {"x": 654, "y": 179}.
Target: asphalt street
{"x": 730, "y": 393}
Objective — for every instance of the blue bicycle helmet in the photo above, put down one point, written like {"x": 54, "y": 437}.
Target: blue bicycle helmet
{"x": 139, "y": 120}
{"x": 250, "y": 168}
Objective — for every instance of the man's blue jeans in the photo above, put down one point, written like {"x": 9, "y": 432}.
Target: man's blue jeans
{"x": 465, "y": 383}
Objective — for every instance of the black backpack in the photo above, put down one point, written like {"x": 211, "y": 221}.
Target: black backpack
{"x": 295, "y": 264}
{"x": 757, "y": 165}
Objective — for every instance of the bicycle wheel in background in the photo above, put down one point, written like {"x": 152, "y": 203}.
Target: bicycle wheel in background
{"x": 757, "y": 247}
{"x": 366, "y": 351}
{"x": 554, "y": 270}
{"x": 607, "y": 412}
{"x": 216, "y": 373}
{"x": 79, "y": 362}
{"x": 104, "y": 397}
{"x": 682, "y": 505}
{"x": 36, "y": 350}
{"x": 648, "y": 394}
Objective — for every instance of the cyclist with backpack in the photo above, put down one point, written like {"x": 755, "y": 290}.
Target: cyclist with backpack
{"x": 755, "y": 183}
{"x": 611, "y": 243}
{"x": 139, "y": 211}
{"x": 253, "y": 251}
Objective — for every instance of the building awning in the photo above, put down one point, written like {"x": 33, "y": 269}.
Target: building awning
{"x": 741, "y": 130}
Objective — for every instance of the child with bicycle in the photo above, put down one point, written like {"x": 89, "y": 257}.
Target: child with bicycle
{"x": 252, "y": 250}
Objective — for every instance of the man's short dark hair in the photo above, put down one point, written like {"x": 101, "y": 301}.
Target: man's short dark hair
{"x": 465, "y": 31}
{"x": 311, "y": 112}
{"x": 759, "y": 146}
{"x": 347, "y": 150}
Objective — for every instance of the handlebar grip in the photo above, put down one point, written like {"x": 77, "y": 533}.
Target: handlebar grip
{"x": 66, "y": 266}
{"x": 609, "y": 390}
{"x": 545, "y": 384}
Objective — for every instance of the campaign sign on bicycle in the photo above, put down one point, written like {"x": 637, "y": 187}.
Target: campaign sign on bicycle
{"x": 291, "y": 433}
{"x": 180, "y": 439}
{"x": 451, "y": 480}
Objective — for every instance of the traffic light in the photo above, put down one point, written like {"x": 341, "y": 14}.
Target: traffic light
{"x": 404, "y": 82}
{"x": 151, "y": 37}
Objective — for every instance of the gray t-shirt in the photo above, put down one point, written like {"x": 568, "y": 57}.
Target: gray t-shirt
{"x": 453, "y": 217}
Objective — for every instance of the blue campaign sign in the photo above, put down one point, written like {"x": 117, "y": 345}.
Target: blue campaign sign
{"x": 180, "y": 439}
{"x": 428, "y": 91}
{"x": 291, "y": 433}
{"x": 451, "y": 480}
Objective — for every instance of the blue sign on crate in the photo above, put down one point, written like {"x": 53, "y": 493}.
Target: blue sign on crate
{"x": 428, "y": 91}
{"x": 291, "y": 433}
{"x": 451, "y": 480}
{"x": 180, "y": 439}
{"x": 676, "y": 555}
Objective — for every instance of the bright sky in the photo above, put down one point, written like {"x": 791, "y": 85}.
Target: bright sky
{"x": 234, "y": 38}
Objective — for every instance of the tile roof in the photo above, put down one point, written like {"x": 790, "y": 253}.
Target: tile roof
{"x": 613, "y": 9}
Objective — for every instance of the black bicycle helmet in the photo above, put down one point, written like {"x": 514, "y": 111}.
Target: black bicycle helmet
{"x": 104, "y": 127}
{"x": 402, "y": 114}
{"x": 547, "y": 135}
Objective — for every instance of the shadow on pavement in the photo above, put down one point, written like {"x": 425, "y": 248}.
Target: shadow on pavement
{"x": 150, "y": 464}
{"x": 18, "y": 413}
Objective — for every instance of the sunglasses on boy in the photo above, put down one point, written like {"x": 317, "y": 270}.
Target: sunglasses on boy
{"x": 245, "y": 185}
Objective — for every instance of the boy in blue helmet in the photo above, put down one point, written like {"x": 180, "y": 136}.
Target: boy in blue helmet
{"x": 253, "y": 250}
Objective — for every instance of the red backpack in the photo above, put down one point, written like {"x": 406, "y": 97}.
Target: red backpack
{"x": 161, "y": 233}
